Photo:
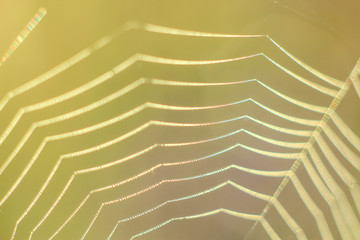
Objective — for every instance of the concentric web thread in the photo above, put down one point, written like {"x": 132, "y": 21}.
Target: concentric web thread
{"x": 314, "y": 152}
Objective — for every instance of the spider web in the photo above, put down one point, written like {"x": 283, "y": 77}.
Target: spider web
{"x": 183, "y": 154}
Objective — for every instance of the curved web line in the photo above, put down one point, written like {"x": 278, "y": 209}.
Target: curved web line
{"x": 338, "y": 216}
{"x": 340, "y": 198}
{"x": 302, "y": 192}
{"x": 269, "y": 230}
{"x": 348, "y": 154}
{"x": 341, "y": 171}
{"x": 121, "y": 138}
{"x": 338, "y": 193}
{"x": 181, "y": 32}
{"x": 129, "y": 62}
{"x": 282, "y": 211}
{"x": 156, "y": 185}
{"x": 135, "y": 131}
{"x": 355, "y": 78}
{"x": 126, "y": 115}
{"x": 349, "y": 134}
{"x": 181, "y": 144}
{"x": 109, "y": 165}
{"x": 291, "y": 223}
{"x": 132, "y": 87}
{"x": 131, "y": 25}
{"x": 78, "y": 57}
